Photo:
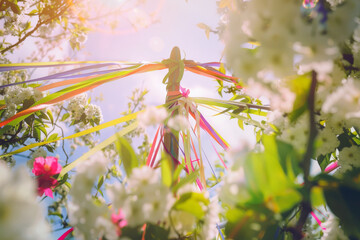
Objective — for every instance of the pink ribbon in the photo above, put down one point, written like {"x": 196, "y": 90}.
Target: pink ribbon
{"x": 66, "y": 234}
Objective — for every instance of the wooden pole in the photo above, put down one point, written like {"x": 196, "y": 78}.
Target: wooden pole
{"x": 171, "y": 137}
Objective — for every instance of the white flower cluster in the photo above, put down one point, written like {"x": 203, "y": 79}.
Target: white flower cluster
{"x": 286, "y": 44}
{"x": 80, "y": 109}
{"x": 179, "y": 123}
{"x": 144, "y": 199}
{"x": 344, "y": 102}
{"x": 40, "y": 152}
{"x": 209, "y": 230}
{"x": 282, "y": 33}
{"x": 16, "y": 95}
{"x": 349, "y": 159}
{"x": 332, "y": 231}
{"x": 91, "y": 219}
{"x": 152, "y": 116}
{"x": 21, "y": 216}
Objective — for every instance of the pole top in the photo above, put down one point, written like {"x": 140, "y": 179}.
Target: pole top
{"x": 175, "y": 54}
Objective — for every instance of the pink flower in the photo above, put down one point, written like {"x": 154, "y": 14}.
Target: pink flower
{"x": 45, "y": 185}
{"x": 46, "y": 167}
{"x": 119, "y": 221}
{"x": 184, "y": 91}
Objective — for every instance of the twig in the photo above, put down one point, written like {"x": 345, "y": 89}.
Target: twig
{"x": 305, "y": 205}
{"x": 39, "y": 24}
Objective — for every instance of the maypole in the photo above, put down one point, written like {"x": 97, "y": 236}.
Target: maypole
{"x": 171, "y": 136}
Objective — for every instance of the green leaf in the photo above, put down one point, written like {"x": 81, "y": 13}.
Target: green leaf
{"x": 344, "y": 141}
{"x": 190, "y": 178}
{"x": 155, "y": 232}
{"x": 49, "y": 113}
{"x": 55, "y": 214}
{"x": 300, "y": 86}
{"x": 52, "y": 137}
{"x": 241, "y": 123}
{"x": 131, "y": 232}
{"x": 344, "y": 203}
{"x": 190, "y": 202}
{"x": 177, "y": 172}
{"x": 166, "y": 170}
{"x": 33, "y": 12}
{"x": 288, "y": 159}
{"x": 324, "y": 161}
{"x": 42, "y": 129}
{"x": 258, "y": 136}
{"x": 36, "y": 133}
{"x": 127, "y": 155}
{"x": 27, "y": 26}
{"x": 100, "y": 183}
{"x": 65, "y": 116}
{"x": 49, "y": 148}
{"x": 267, "y": 181}
{"x": 317, "y": 197}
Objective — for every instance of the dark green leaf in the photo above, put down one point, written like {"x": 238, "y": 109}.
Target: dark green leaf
{"x": 344, "y": 203}
{"x": 324, "y": 161}
{"x": 155, "y": 232}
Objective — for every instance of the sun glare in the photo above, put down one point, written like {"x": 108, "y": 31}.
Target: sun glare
{"x": 120, "y": 17}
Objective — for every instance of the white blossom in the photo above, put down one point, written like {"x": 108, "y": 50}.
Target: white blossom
{"x": 21, "y": 216}
{"x": 209, "y": 230}
{"x": 152, "y": 116}
{"x": 77, "y": 106}
{"x": 332, "y": 230}
{"x": 149, "y": 200}
{"x": 349, "y": 158}
{"x": 17, "y": 95}
{"x": 329, "y": 141}
{"x": 345, "y": 101}
{"x": 91, "y": 218}
{"x": 93, "y": 111}
{"x": 143, "y": 199}
{"x": 40, "y": 152}
{"x": 179, "y": 123}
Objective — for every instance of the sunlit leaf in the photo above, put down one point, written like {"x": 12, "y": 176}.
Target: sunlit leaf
{"x": 192, "y": 202}
{"x": 127, "y": 155}
{"x": 206, "y": 28}
{"x": 188, "y": 179}
{"x": 166, "y": 171}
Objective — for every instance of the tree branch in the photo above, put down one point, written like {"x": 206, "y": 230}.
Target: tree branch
{"x": 39, "y": 24}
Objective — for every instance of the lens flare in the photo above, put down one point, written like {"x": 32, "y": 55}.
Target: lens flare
{"x": 118, "y": 17}
{"x": 309, "y": 3}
